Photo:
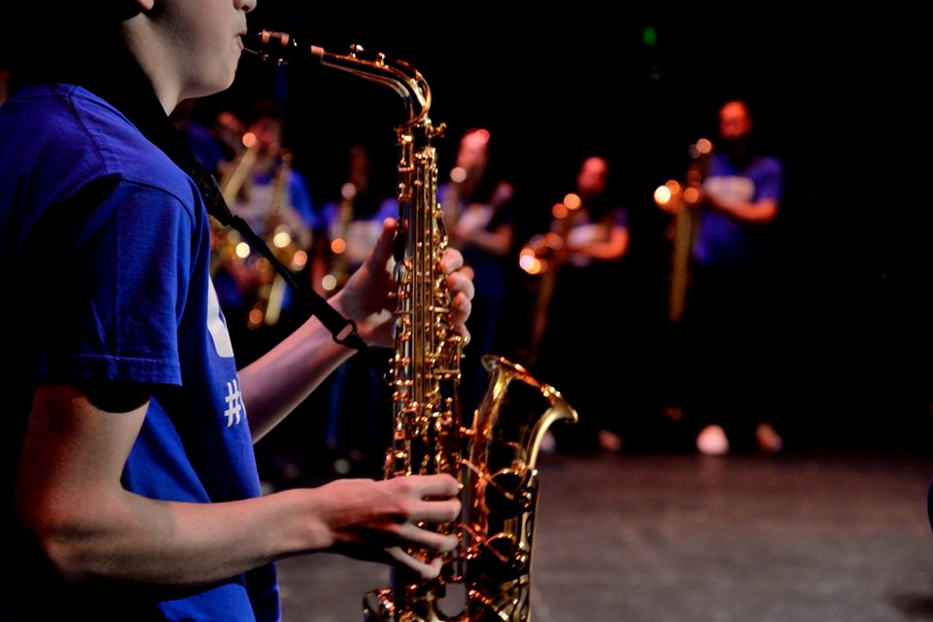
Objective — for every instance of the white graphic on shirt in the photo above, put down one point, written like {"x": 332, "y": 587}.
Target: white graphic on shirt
{"x": 234, "y": 400}
{"x": 216, "y": 325}
{"x": 585, "y": 234}
{"x": 730, "y": 189}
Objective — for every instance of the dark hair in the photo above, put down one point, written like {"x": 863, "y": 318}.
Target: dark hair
{"x": 52, "y": 43}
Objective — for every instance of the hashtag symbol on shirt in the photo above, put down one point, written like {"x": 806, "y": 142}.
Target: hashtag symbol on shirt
{"x": 234, "y": 405}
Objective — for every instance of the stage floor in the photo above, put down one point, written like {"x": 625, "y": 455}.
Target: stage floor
{"x": 817, "y": 535}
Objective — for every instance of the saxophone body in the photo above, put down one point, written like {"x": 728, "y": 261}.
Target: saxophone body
{"x": 488, "y": 576}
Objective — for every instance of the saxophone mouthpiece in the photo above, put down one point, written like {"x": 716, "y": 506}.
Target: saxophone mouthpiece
{"x": 279, "y": 47}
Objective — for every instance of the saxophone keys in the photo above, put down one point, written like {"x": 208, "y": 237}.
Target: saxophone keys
{"x": 504, "y": 558}
{"x": 510, "y": 493}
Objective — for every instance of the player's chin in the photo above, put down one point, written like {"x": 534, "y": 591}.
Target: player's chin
{"x": 219, "y": 76}
{"x": 217, "y": 82}
{"x": 228, "y": 75}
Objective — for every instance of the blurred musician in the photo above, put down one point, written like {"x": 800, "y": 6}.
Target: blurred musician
{"x": 263, "y": 187}
{"x": 727, "y": 316}
{"x": 478, "y": 211}
{"x": 356, "y": 430}
{"x": 581, "y": 252}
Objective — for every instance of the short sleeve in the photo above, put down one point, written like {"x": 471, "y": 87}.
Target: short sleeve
{"x": 122, "y": 290}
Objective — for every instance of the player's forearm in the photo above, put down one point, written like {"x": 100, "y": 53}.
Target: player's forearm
{"x": 612, "y": 249}
{"x": 497, "y": 243}
{"x": 128, "y": 539}
{"x": 278, "y": 382}
{"x": 760, "y": 212}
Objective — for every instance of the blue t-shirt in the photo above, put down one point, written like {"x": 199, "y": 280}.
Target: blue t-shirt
{"x": 722, "y": 240}
{"x": 137, "y": 305}
{"x": 587, "y": 230}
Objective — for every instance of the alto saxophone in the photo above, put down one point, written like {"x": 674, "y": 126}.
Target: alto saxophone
{"x": 488, "y": 575}
{"x": 229, "y": 248}
{"x": 281, "y": 238}
{"x": 338, "y": 264}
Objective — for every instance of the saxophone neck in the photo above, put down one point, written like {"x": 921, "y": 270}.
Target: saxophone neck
{"x": 400, "y": 76}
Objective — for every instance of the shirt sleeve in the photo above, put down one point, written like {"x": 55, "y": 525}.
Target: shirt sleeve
{"x": 121, "y": 290}
{"x": 770, "y": 180}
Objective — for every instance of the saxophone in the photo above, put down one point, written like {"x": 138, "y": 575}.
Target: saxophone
{"x": 231, "y": 250}
{"x": 339, "y": 264}
{"x": 488, "y": 575}
{"x": 280, "y": 237}
{"x": 228, "y": 246}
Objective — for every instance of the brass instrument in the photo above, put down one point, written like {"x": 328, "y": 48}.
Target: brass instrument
{"x": 339, "y": 264}
{"x": 349, "y": 240}
{"x": 495, "y": 459}
{"x": 232, "y": 251}
{"x": 228, "y": 245}
{"x": 542, "y": 256}
{"x": 280, "y": 237}
{"x": 682, "y": 201}
{"x": 233, "y": 182}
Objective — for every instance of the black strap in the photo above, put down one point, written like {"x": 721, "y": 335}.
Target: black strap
{"x": 344, "y": 330}
{"x": 132, "y": 94}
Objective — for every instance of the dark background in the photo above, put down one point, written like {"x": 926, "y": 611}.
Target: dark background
{"x": 840, "y": 97}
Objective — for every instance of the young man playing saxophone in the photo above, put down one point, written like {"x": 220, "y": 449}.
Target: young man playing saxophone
{"x": 129, "y": 477}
